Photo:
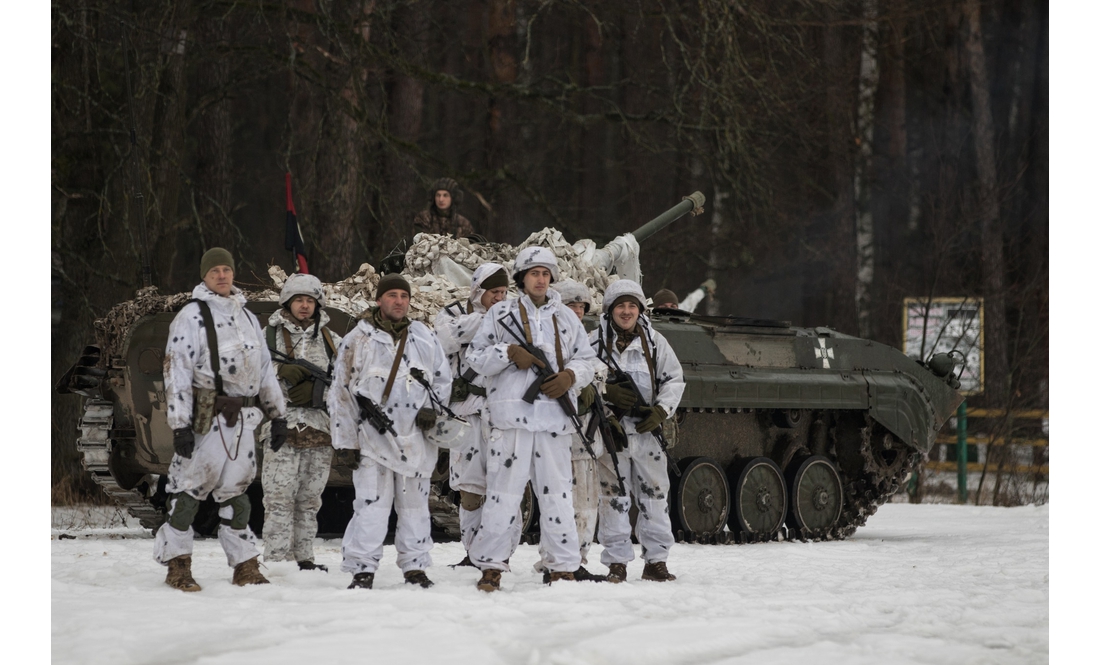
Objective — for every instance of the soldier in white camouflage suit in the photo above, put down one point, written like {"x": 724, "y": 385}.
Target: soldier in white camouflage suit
{"x": 529, "y": 441}
{"x": 586, "y": 481}
{"x": 295, "y": 474}
{"x": 625, "y": 340}
{"x": 219, "y": 383}
{"x": 455, "y": 326}
{"x": 383, "y": 365}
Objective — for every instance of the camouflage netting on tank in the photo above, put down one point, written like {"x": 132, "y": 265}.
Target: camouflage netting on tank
{"x": 430, "y": 254}
{"x": 433, "y": 266}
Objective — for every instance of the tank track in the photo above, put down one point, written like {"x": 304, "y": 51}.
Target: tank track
{"x": 95, "y": 444}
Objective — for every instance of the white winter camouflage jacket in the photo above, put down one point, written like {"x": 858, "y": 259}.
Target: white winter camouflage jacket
{"x": 670, "y": 375}
{"x": 363, "y": 364}
{"x": 455, "y": 326}
{"x": 488, "y": 355}
{"x": 246, "y": 367}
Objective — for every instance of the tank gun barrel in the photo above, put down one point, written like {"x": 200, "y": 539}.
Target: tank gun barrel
{"x": 692, "y": 204}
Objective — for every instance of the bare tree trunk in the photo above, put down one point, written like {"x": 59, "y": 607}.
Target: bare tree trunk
{"x": 405, "y": 187}
{"x": 996, "y": 369}
{"x": 211, "y": 197}
{"x": 503, "y": 68}
{"x": 841, "y": 131}
{"x": 865, "y": 119}
{"x": 165, "y": 129}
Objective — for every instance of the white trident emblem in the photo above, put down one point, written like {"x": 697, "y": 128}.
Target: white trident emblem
{"x": 824, "y": 353}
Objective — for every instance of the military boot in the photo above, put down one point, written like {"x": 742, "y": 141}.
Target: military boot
{"x": 248, "y": 573}
{"x": 560, "y": 576}
{"x": 362, "y": 581}
{"x": 465, "y": 562}
{"x": 179, "y": 574}
{"x": 657, "y": 572}
{"x": 490, "y": 580}
{"x": 309, "y": 565}
{"x": 418, "y": 577}
{"x": 582, "y": 575}
{"x": 616, "y": 573}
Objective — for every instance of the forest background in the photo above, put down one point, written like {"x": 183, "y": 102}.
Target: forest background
{"x": 853, "y": 152}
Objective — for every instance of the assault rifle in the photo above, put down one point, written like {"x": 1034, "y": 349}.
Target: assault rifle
{"x": 544, "y": 373}
{"x": 600, "y": 422}
{"x": 321, "y": 377}
{"x": 370, "y": 413}
{"x": 619, "y": 377}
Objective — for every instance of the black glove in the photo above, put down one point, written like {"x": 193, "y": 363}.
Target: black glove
{"x": 292, "y": 374}
{"x": 425, "y": 418}
{"x": 278, "y": 434}
{"x": 301, "y": 394}
{"x": 653, "y": 416}
{"x": 184, "y": 441}
{"x": 348, "y": 457}
{"x": 620, "y": 396}
{"x": 585, "y": 399}
{"x": 618, "y": 436}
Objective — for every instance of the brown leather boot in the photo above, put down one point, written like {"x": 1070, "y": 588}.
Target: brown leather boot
{"x": 418, "y": 577}
{"x": 616, "y": 573}
{"x": 249, "y": 573}
{"x": 490, "y": 580}
{"x": 179, "y": 574}
{"x": 657, "y": 572}
{"x": 561, "y": 575}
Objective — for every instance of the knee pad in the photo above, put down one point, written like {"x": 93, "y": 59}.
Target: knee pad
{"x": 183, "y": 511}
{"x": 471, "y": 501}
{"x": 242, "y": 509}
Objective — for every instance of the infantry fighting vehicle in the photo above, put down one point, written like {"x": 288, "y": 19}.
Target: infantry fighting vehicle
{"x": 781, "y": 432}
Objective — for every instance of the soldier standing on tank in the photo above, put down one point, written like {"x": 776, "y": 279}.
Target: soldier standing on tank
{"x": 625, "y": 340}
{"x": 455, "y": 325}
{"x": 380, "y": 364}
{"x": 219, "y": 382}
{"x": 529, "y": 440}
{"x": 442, "y": 216}
{"x": 295, "y": 474}
{"x": 586, "y": 480}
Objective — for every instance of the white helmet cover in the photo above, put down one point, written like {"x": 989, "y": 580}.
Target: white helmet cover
{"x": 482, "y": 272}
{"x": 620, "y": 288}
{"x": 302, "y": 285}
{"x": 531, "y": 257}
{"x": 573, "y": 291}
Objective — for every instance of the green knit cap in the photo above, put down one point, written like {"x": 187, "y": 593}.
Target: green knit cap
{"x": 390, "y": 282}
{"x": 215, "y": 256}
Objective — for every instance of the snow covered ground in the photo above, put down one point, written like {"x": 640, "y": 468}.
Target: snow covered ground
{"x": 920, "y": 584}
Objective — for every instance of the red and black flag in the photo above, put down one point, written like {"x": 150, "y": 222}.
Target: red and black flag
{"x": 294, "y": 242}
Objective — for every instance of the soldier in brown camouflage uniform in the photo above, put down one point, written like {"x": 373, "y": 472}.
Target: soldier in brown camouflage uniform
{"x": 295, "y": 474}
{"x": 441, "y": 216}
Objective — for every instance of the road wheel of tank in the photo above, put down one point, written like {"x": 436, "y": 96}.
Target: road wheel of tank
{"x": 701, "y": 497}
{"x": 759, "y": 498}
{"x": 816, "y": 496}
{"x": 529, "y": 514}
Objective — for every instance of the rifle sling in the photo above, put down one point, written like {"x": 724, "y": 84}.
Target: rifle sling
{"x": 393, "y": 368}
{"x": 211, "y": 343}
{"x": 557, "y": 334}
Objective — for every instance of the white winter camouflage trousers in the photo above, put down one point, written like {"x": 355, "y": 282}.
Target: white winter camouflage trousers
{"x": 515, "y": 457}
{"x": 586, "y": 503}
{"x": 645, "y": 475}
{"x": 377, "y": 491}
{"x": 293, "y": 479}
{"x": 211, "y": 471}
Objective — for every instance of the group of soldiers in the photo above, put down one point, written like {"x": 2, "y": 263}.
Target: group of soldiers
{"x": 510, "y": 386}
